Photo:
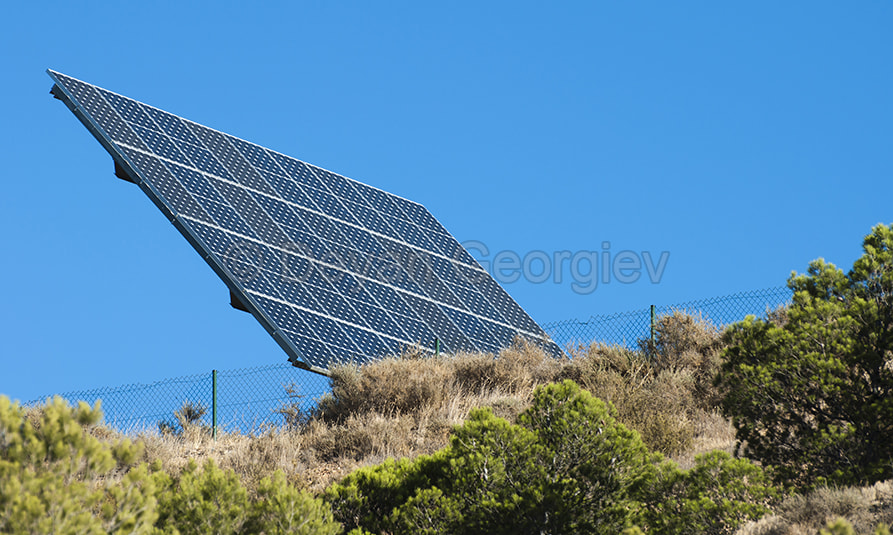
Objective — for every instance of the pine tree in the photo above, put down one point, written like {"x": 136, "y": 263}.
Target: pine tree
{"x": 811, "y": 389}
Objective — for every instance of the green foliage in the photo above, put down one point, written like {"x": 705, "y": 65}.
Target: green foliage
{"x": 715, "y": 496}
{"x": 369, "y": 495}
{"x": 595, "y": 464}
{"x": 282, "y": 509}
{"x": 211, "y": 500}
{"x": 838, "y": 527}
{"x": 566, "y": 466}
{"x": 55, "y": 477}
{"x": 811, "y": 392}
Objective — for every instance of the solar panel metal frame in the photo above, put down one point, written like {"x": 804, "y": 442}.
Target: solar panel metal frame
{"x": 241, "y": 297}
{"x": 121, "y": 160}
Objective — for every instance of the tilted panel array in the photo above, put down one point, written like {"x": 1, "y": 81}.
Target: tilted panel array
{"x": 334, "y": 269}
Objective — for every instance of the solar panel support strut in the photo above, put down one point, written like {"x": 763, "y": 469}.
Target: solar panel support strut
{"x": 122, "y": 174}
{"x": 236, "y": 303}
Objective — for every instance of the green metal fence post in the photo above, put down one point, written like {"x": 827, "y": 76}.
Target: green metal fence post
{"x": 652, "y": 327}
{"x": 437, "y": 347}
{"x": 214, "y": 404}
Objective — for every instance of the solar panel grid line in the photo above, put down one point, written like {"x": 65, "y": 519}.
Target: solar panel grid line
{"x": 405, "y": 340}
{"x": 142, "y": 118}
{"x": 187, "y": 169}
{"x": 449, "y": 297}
{"x": 159, "y": 201}
{"x": 342, "y": 269}
{"x": 330, "y": 317}
{"x": 475, "y": 266}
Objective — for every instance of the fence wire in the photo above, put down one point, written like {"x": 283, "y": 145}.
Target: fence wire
{"x": 627, "y": 328}
{"x": 248, "y": 399}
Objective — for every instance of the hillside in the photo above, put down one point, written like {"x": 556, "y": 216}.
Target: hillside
{"x": 405, "y": 407}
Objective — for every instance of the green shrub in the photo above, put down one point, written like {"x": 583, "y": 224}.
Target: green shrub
{"x": 206, "y": 500}
{"x": 55, "y": 477}
{"x": 282, "y": 509}
{"x": 368, "y": 496}
{"x": 211, "y": 500}
{"x": 566, "y": 466}
{"x": 716, "y": 496}
{"x": 811, "y": 391}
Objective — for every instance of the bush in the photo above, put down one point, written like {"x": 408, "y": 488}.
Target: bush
{"x": 282, "y": 509}
{"x": 684, "y": 342}
{"x": 211, "y": 500}
{"x": 715, "y": 496}
{"x": 187, "y": 417}
{"x": 55, "y": 477}
{"x": 392, "y": 386}
{"x": 863, "y": 508}
{"x": 566, "y": 466}
{"x": 811, "y": 391}
{"x": 410, "y": 384}
{"x": 658, "y": 403}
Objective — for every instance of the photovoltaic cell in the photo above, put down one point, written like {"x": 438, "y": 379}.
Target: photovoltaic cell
{"x": 336, "y": 270}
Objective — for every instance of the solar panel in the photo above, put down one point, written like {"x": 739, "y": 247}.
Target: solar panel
{"x": 335, "y": 270}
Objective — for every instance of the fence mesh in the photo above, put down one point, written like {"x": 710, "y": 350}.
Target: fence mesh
{"x": 248, "y": 399}
{"x": 627, "y": 328}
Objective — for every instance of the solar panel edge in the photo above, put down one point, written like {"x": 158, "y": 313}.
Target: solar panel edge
{"x": 51, "y": 72}
{"x": 106, "y": 141}
{"x": 120, "y": 158}
{"x": 84, "y": 115}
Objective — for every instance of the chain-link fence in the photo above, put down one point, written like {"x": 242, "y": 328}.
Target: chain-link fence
{"x": 627, "y": 328}
{"x": 246, "y": 399}
{"x": 249, "y": 399}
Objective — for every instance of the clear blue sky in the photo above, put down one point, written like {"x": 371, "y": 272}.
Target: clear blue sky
{"x": 745, "y": 141}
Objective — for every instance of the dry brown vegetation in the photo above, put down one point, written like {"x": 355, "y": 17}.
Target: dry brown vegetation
{"x": 405, "y": 406}
{"x": 864, "y": 508}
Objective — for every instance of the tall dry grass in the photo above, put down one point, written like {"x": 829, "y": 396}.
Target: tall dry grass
{"x": 398, "y": 407}
{"x": 405, "y": 406}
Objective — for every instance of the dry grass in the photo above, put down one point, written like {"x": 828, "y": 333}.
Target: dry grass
{"x": 665, "y": 389}
{"x": 863, "y": 507}
{"x": 405, "y": 406}
{"x": 397, "y": 407}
